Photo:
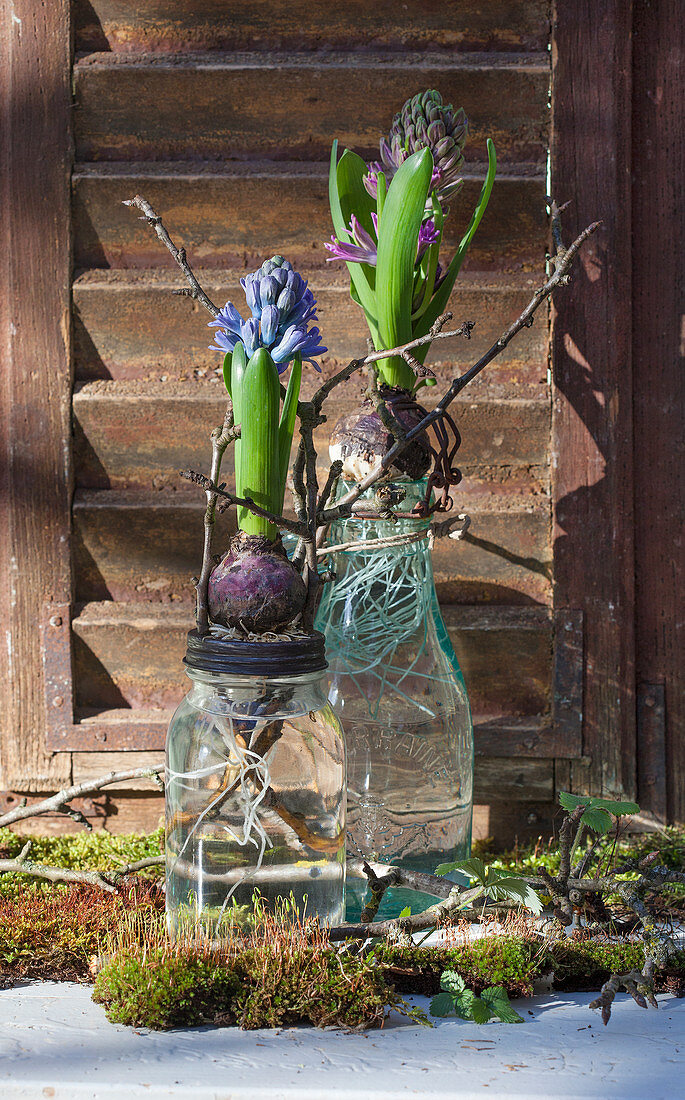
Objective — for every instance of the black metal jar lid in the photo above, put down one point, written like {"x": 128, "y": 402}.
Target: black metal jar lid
{"x": 292, "y": 657}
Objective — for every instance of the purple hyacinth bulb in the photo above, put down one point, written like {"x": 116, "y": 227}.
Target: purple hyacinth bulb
{"x": 281, "y": 307}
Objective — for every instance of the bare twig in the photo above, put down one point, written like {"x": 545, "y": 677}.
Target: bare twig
{"x": 56, "y": 802}
{"x": 378, "y": 886}
{"x": 208, "y": 485}
{"x": 640, "y": 985}
{"x": 389, "y": 422}
{"x": 63, "y": 875}
{"x": 221, "y": 437}
{"x": 560, "y": 276}
{"x": 331, "y": 483}
{"x": 179, "y": 254}
{"x": 307, "y": 425}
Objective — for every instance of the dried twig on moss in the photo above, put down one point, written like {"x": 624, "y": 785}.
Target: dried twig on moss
{"x": 67, "y": 876}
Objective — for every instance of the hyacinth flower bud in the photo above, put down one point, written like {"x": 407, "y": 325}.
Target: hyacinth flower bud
{"x": 282, "y": 309}
{"x": 249, "y": 335}
{"x": 424, "y": 122}
{"x": 268, "y": 290}
{"x": 286, "y": 301}
{"x": 269, "y": 324}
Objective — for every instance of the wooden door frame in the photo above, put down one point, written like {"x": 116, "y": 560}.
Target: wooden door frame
{"x": 35, "y": 299}
{"x": 592, "y": 421}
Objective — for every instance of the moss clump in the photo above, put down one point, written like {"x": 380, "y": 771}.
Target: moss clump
{"x": 509, "y": 961}
{"x": 161, "y": 990}
{"x": 55, "y": 935}
{"x": 587, "y": 964}
{"x": 269, "y": 985}
{"x": 312, "y": 985}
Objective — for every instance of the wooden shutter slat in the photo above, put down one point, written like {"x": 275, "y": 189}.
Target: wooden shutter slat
{"x": 289, "y": 106}
{"x": 171, "y": 25}
{"x": 133, "y": 440}
{"x": 131, "y": 655}
{"x": 141, "y": 547}
{"x": 122, "y": 322}
{"x": 226, "y": 216}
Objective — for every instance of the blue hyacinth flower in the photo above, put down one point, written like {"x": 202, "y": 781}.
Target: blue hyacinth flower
{"x": 281, "y": 307}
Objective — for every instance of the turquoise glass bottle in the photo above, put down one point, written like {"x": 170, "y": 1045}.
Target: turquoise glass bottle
{"x": 396, "y": 685}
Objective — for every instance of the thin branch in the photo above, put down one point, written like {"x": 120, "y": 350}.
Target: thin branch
{"x": 378, "y": 886}
{"x": 56, "y": 802}
{"x": 389, "y": 422}
{"x": 376, "y": 544}
{"x": 208, "y": 485}
{"x": 307, "y": 426}
{"x": 55, "y": 874}
{"x": 139, "y": 865}
{"x": 331, "y": 483}
{"x": 525, "y": 319}
{"x": 221, "y": 437}
{"x": 179, "y": 254}
{"x": 640, "y": 985}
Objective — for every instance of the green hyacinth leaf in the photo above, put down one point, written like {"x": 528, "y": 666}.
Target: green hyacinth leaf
{"x": 352, "y": 194}
{"x": 354, "y": 199}
{"x": 259, "y": 458}
{"x": 345, "y": 184}
{"x": 397, "y": 247}
{"x": 286, "y": 425}
{"x": 439, "y": 301}
{"x": 381, "y": 192}
{"x": 431, "y": 262}
{"x": 227, "y": 370}
{"x": 333, "y": 197}
{"x": 238, "y": 365}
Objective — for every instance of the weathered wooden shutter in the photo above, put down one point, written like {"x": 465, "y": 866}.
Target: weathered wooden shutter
{"x": 222, "y": 114}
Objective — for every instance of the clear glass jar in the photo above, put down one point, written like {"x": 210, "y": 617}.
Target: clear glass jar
{"x": 255, "y": 786}
{"x": 396, "y": 684}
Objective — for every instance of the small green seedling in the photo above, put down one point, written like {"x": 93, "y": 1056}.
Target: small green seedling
{"x": 493, "y": 1002}
{"x": 492, "y": 885}
{"x": 598, "y": 811}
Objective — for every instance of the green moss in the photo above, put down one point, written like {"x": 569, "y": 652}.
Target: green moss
{"x": 507, "y": 961}
{"x": 313, "y": 985}
{"x": 162, "y": 990}
{"x": 587, "y": 964}
{"x": 80, "y": 852}
{"x": 267, "y": 986}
